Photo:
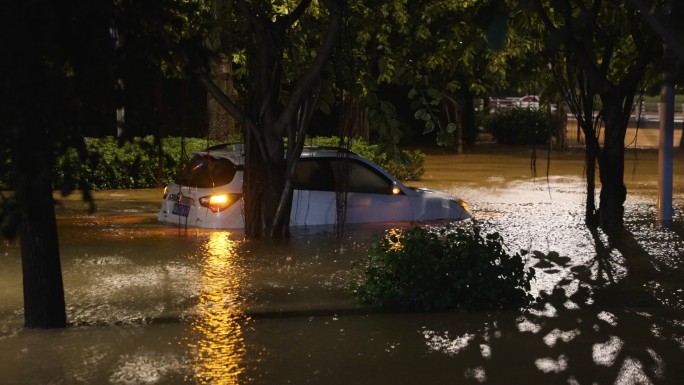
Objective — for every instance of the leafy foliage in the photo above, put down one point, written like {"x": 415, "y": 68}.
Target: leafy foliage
{"x": 518, "y": 126}
{"x": 137, "y": 163}
{"x": 442, "y": 51}
{"x": 444, "y": 268}
{"x": 427, "y": 109}
{"x": 142, "y": 163}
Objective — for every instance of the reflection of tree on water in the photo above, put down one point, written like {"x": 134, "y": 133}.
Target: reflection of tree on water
{"x": 600, "y": 325}
{"x": 215, "y": 337}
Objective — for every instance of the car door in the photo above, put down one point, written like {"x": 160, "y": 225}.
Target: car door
{"x": 313, "y": 202}
{"x": 371, "y": 196}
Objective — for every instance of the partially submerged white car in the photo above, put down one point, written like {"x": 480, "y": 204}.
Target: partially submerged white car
{"x": 208, "y": 192}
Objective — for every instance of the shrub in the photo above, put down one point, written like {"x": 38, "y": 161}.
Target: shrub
{"x": 138, "y": 163}
{"x": 447, "y": 268}
{"x": 518, "y": 126}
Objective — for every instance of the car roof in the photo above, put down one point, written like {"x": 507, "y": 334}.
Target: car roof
{"x": 235, "y": 152}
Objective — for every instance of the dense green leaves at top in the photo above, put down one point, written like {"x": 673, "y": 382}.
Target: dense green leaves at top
{"x": 446, "y": 52}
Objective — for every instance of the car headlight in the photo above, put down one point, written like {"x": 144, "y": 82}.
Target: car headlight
{"x": 219, "y": 202}
{"x": 463, "y": 205}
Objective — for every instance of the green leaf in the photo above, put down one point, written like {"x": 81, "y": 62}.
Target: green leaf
{"x": 429, "y": 127}
{"x": 387, "y": 108}
{"x": 325, "y": 107}
{"x": 434, "y": 93}
{"x": 371, "y": 83}
{"x": 382, "y": 65}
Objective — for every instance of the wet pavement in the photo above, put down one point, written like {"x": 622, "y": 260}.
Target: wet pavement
{"x": 160, "y": 305}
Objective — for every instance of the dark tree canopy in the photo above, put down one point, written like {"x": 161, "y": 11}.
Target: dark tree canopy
{"x": 54, "y": 60}
{"x": 63, "y": 65}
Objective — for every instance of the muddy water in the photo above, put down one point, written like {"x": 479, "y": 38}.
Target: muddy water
{"x": 158, "y": 305}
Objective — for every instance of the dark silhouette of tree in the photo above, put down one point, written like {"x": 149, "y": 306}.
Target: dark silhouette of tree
{"x": 49, "y": 93}
{"x": 59, "y": 64}
{"x": 600, "y": 52}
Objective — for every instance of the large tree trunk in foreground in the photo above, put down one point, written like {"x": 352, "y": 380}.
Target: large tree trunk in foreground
{"x": 616, "y": 111}
{"x": 275, "y": 115}
{"x": 264, "y": 183}
{"x": 44, "y": 305}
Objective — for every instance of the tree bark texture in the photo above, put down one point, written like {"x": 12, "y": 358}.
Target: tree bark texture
{"x": 612, "y": 163}
{"x": 353, "y": 121}
{"x": 221, "y": 124}
{"x": 44, "y": 305}
{"x": 590, "y": 156}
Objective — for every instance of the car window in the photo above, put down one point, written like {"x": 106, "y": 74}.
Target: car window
{"x": 205, "y": 172}
{"x": 339, "y": 174}
{"x": 313, "y": 174}
{"x": 359, "y": 177}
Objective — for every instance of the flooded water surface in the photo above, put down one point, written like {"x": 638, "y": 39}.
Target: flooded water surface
{"x": 149, "y": 304}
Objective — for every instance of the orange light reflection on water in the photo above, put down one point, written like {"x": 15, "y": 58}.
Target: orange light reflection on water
{"x": 216, "y": 331}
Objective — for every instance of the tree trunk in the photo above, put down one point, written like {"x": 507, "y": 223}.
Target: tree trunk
{"x": 467, "y": 118}
{"x": 221, "y": 124}
{"x": 353, "y": 122}
{"x": 263, "y": 185}
{"x": 612, "y": 170}
{"x": 561, "y": 121}
{"x": 268, "y": 116}
{"x": 590, "y": 155}
{"x": 44, "y": 305}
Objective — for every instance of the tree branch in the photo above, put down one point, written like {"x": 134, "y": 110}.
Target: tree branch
{"x": 228, "y": 105}
{"x": 293, "y": 16}
{"x": 304, "y": 84}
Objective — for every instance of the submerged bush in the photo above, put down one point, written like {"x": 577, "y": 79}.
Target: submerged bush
{"x": 518, "y": 126}
{"x": 445, "y": 268}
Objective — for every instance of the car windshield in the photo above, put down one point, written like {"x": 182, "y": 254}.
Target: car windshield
{"x": 205, "y": 172}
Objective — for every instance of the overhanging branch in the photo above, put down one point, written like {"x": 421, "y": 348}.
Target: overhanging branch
{"x": 228, "y": 105}
{"x": 322, "y": 58}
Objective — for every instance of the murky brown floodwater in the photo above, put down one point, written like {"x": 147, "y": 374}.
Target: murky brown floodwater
{"x": 158, "y": 305}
